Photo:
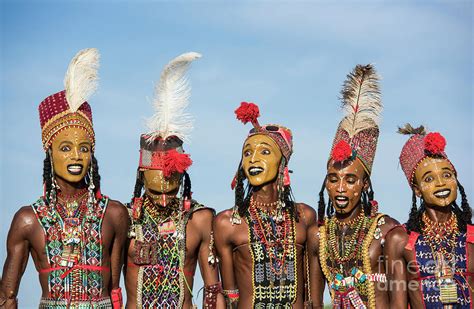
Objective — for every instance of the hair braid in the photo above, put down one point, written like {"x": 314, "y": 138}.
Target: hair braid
{"x": 321, "y": 204}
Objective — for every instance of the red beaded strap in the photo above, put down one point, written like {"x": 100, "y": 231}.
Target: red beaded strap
{"x": 69, "y": 269}
{"x": 117, "y": 301}
{"x": 412, "y": 240}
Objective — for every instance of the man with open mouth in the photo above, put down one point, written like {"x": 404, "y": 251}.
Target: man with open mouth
{"x": 74, "y": 233}
{"x": 356, "y": 250}
{"x": 170, "y": 231}
{"x": 261, "y": 240}
{"x": 440, "y": 245}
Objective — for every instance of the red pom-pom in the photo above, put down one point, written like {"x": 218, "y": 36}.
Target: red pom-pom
{"x": 247, "y": 112}
{"x": 435, "y": 143}
{"x": 174, "y": 161}
{"x": 342, "y": 151}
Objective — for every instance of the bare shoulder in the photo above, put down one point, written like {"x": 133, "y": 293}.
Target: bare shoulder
{"x": 25, "y": 217}
{"x": 393, "y": 230}
{"x": 117, "y": 212}
{"x": 222, "y": 223}
{"x": 307, "y": 213}
{"x": 202, "y": 216}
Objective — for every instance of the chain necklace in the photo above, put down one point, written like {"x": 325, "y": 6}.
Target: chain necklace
{"x": 356, "y": 238}
{"x": 271, "y": 229}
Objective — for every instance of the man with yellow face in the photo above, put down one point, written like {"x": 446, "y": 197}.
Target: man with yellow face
{"x": 355, "y": 249}
{"x": 441, "y": 238}
{"x": 260, "y": 241}
{"x": 170, "y": 232}
{"x": 75, "y": 233}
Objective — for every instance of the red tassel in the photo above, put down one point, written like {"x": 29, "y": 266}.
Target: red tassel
{"x": 435, "y": 143}
{"x": 286, "y": 177}
{"x": 248, "y": 112}
{"x": 174, "y": 161}
{"x": 341, "y": 151}
{"x": 374, "y": 209}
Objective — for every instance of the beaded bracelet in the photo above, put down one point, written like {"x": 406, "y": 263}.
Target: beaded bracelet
{"x": 210, "y": 295}
{"x": 231, "y": 296}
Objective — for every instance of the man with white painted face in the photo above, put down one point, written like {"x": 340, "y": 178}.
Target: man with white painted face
{"x": 74, "y": 233}
{"x": 261, "y": 241}
{"x": 356, "y": 250}
{"x": 170, "y": 231}
{"x": 440, "y": 247}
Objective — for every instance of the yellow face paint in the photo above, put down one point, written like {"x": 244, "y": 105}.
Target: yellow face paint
{"x": 261, "y": 159}
{"x": 344, "y": 184}
{"x": 436, "y": 182}
{"x": 71, "y": 153}
{"x": 156, "y": 184}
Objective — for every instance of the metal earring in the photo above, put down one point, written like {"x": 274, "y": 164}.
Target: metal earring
{"x": 54, "y": 185}
{"x": 91, "y": 200}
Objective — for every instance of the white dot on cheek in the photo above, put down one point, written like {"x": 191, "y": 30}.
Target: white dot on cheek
{"x": 356, "y": 194}
{"x": 425, "y": 164}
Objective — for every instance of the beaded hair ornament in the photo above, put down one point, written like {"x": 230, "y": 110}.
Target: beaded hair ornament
{"x": 161, "y": 147}
{"x": 282, "y": 136}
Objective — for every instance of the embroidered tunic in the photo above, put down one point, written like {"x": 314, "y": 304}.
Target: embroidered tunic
{"x": 81, "y": 284}
{"x": 430, "y": 290}
{"x": 160, "y": 253}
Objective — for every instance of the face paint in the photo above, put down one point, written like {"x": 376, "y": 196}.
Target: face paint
{"x": 261, "y": 158}
{"x": 157, "y": 185}
{"x": 344, "y": 184}
{"x": 71, "y": 154}
{"x": 436, "y": 182}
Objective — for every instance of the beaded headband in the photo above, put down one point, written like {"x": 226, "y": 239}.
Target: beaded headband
{"x": 68, "y": 108}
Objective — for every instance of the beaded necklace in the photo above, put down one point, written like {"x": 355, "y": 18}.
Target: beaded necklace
{"x": 273, "y": 251}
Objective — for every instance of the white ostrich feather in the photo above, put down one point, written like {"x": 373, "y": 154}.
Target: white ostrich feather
{"x": 171, "y": 98}
{"x": 81, "y": 77}
{"x": 361, "y": 100}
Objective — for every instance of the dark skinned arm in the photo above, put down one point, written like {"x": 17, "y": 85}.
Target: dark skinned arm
{"x": 395, "y": 242}
{"x": 223, "y": 242}
{"x": 120, "y": 222}
{"x": 210, "y": 274}
{"x": 315, "y": 272}
{"x": 308, "y": 216}
{"x": 17, "y": 256}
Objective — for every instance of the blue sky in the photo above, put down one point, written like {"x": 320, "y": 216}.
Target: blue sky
{"x": 289, "y": 57}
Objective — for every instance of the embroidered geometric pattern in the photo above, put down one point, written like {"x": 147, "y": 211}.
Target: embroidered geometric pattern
{"x": 161, "y": 281}
{"x": 82, "y": 281}
{"x": 430, "y": 286}
{"x": 274, "y": 279}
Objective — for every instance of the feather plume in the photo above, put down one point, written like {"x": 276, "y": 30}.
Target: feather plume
{"x": 81, "y": 77}
{"x": 361, "y": 100}
{"x": 171, "y": 99}
{"x": 409, "y": 130}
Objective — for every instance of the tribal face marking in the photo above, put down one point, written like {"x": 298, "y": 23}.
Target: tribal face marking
{"x": 344, "y": 184}
{"x": 436, "y": 182}
{"x": 261, "y": 158}
{"x": 71, "y": 153}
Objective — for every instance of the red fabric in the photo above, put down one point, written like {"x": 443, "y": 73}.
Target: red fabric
{"x": 57, "y": 103}
{"x": 247, "y": 112}
{"x": 470, "y": 234}
{"x": 412, "y": 240}
{"x": 286, "y": 177}
{"x": 116, "y": 296}
{"x": 341, "y": 151}
{"x": 434, "y": 143}
{"x": 78, "y": 266}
